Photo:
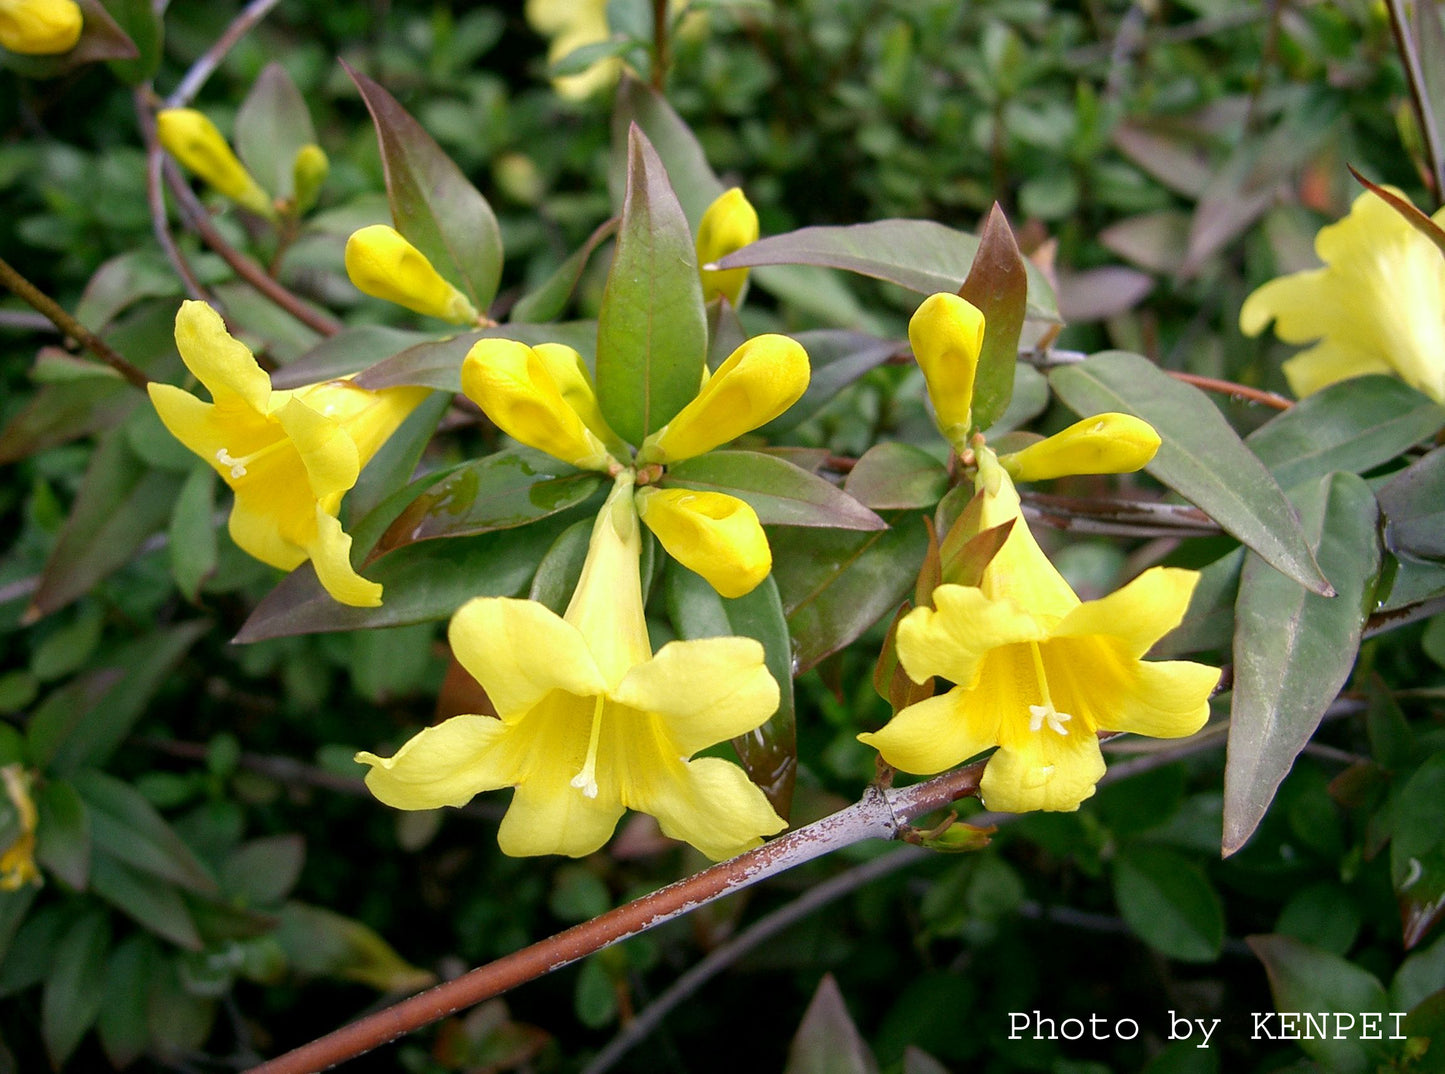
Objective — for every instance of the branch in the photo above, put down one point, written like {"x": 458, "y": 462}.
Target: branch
{"x": 44, "y": 304}
{"x": 156, "y": 199}
{"x": 202, "y": 69}
{"x": 1419, "y": 93}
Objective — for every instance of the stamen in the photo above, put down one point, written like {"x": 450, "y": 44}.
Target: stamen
{"x": 586, "y": 780}
{"x": 1045, "y": 713}
{"x": 238, "y": 466}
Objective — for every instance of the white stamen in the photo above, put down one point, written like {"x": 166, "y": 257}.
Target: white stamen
{"x": 238, "y": 469}
{"x": 1041, "y": 714}
{"x": 586, "y": 780}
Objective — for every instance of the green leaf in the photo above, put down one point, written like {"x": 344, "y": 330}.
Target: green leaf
{"x": 1209, "y": 621}
{"x": 74, "y": 986}
{"x": 1293, "y": 650}
{"x": 98, "y": 711}
{"x": 1417, "y": 850}
{"x": 272, "y": 124}
{"x": 561, "y": 567}
{"x": 693, "y": 179}
{"x": 14, "y": 908}
{"x": 179, "y": 1021}
{"x": 835, "y": 585}
{"x": 148, "y": 900}
{"x": 512, "y": 488}
{"x": 1413, "y": 504}
{"x": 998, "y": 285}
{"x": 1354, "y": 426}
{"x": 263, "y": 871}
{"x": 62, "y": 834}
{"x": 126, "y": 827}
{"x": 897, "y": 475}
{"x": 318, "y": 941}
{"x": 425, "y": 580}
{"x": 391, "y": 468}
{"x": 1168, "y": 903}
{"x": 432, "y": 203}
{"x": 121, "y": 502}
{"x": 192, "y": 531}
{"x": 550, "y": 297}
{"x": 1201, "y": 457}
{"x": 595, "y": 995}
{"x": 59, "y": 413}
{"x": 836, "y": 358}
{"x": 782, "y": 494}
{"x": 1304, "y": 978}
{"x": 122, "y": 281}
{"x": 828, "y": 1041}
{"x": 652, "y": 328}
{"x": 351, "y": 350}
{"x": 124, "y": 1031}
{"x": 917, "y": 254}
{"x": 438, "y": 364}
{"x": 137, "y": 21}
{"x": 770, "y": 753}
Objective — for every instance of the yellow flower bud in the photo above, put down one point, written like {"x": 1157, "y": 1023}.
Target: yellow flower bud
{"x": 39, "y": 27}
{"x": 514, "y": 386}
{"x": 946, "y": 334}
{"x": 714, "y": 534}
{"x": 729, "y": 224}
{"x": 193, "y": 139}
{"x": 308, "y": 171}
{"x": 759, "y": 381}
{"x": 1103, "y": 444}
{"x": 384, "y": 265}
{"x": 574, "y": 381}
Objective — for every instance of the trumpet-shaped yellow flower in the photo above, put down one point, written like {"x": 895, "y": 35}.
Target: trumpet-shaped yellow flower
{"x": 1037, "y": 673}
{"x": 591, "y": 722}
{"x": 757, "y": 382}
{"x": 729, "y": 224}
{"x": 39, "y": 27}
{"x": 381, "y": 263}
{"x": 541, "y": 396}
{"x": 712, "y": 533}
{"x": 17, "y": 861}
{"x": 946, "y": 334}
{"x": 1377, "y": 306}
{"x": 193, "y": 139}
{"x": 289, "y": 456}
{"x": 1103, "y": 444}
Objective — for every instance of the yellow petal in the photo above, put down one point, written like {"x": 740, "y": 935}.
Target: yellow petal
{"x": 964, "y": 626}
{"x": 729, "y": 224}
{"x": 221, "y": 362}
{"x": 574, "y": 381}
{"x": 936, "y": 733}
{"x": 1137, "y": 615}
{"x": 326, "y": 450}
{"x": 1103, "y": 444}
{"x": 442, "y": 765}
{"x": 39, "y": 27}
{"x": 946, "y": 334}
{"x": 606, "y": 607}
{"x": 714, "y": 534}
{"x": 193, "y": 139}
{"x": 714, "y": 806}
{"x": 516, "y": 390}
{"x": 330, "y": 555}
{"x": 759, "y": 380}
{"x": 1043, "y": 770}
{"x": 381, "y": 263}
{"x": 706, "y": 690}
{"x": 1019, "y": 571}
{"x": 520, "y": 651}
{"x": 545, "y": 819}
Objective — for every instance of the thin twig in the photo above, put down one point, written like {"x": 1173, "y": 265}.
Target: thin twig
{"x": 44, "y": 304}
{"x": 200, "y": 221}
{"x": 156, "y": 199}
{"x": 878, "y": 815}
{"x": 1127, "y": 518}
{"x": 661, "y": 56}
{"x": 203, "y": 68}
{"x": 1238, "y": 391}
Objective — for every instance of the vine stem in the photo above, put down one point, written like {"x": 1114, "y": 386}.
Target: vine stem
{"x": 880, "y": 814}
{"x": 1419, "y": 93}
{"x": 192, "y": 81}
{"x": 52, "y": 310}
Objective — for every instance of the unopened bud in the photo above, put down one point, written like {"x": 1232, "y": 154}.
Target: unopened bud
{"x": 381, "y": 263}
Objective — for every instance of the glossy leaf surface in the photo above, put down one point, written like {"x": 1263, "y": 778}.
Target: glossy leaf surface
{"x": 782, "y": 494}
{"x": 998, "y": 285}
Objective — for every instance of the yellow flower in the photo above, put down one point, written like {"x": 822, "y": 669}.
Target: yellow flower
{"x": 17, "y": 861}
{"x": 540, "y": 396}
{"x": 381, "y": 263}
{"x": 573, "y": 24}
{"x": 729, "y": 224}
{"x": 1378, "y": 305}
{"x": 290, "y": 456}
{"x": 759, "y": 380}
{"x": 946, "y": 334}
{"x": 712, "y": 533}
{"x": 1038, "y": 673}
{"x": 591, "y": 722}
{"x": 39, "y": 27}
{"x": 193, "y": 139}
{"x": 1103, "y": 444}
